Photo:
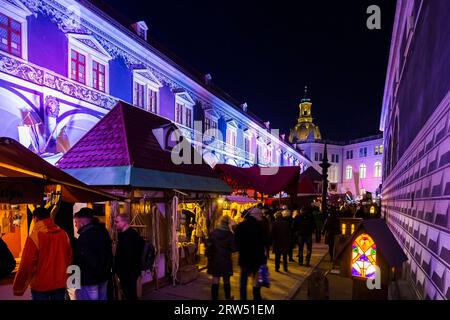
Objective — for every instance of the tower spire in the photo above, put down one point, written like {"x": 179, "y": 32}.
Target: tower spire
{"x": 305, "y": 96}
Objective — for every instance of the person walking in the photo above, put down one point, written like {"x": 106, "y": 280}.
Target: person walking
{"x": 331, "y": 229}
{"x": 7, "y": 261}
{"x": 93, "y": 254}
{"x": 287, "y": 215}
{"x": 128, "y": 258}
{"x": 250, "y": 239}
{"x": 318, "y": 221}
{"x": 280, "y": 236}
{"x": 46, "y": 255}
{"x": 219, "y": 249}
{"x": 304, "y": 227}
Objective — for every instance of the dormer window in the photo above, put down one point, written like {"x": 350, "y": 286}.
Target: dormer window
{"x": 13, "y": 28}
{"x": 88, "y": 62}
{"x": 146, "y": 90}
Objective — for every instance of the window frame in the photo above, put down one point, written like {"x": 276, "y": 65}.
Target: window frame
{"x": 361, "y": 171}
{"x": 149, "y": 86}
{"x": 377, "y": 169}
{"x": 19, "y": 15}
{"x": 187, "y": 104}
{"x": 348, "y": 172}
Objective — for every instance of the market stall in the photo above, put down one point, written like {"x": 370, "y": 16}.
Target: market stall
{"x": 27, "y": 181}
{"x": 129, "y": 152}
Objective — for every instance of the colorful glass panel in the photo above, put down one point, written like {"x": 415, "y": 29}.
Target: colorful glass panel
{"x": 364, "y": 252}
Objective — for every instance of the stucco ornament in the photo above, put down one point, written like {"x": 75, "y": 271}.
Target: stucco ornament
{"x": 52, "y": 106}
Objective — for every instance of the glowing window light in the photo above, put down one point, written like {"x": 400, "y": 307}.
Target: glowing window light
{"x": 372, "y": 210}
{"x": 364, "y": 253}
{"x": 353, "y": 228}
{"x": 343, "y": 228}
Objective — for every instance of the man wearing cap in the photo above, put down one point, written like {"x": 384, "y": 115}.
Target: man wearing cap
{"x": 46, "y": 255}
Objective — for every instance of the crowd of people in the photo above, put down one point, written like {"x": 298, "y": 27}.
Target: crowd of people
{"x": 103, "y": 266}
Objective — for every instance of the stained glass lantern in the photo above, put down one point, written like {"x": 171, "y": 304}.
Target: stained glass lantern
{"x": 364, "y": 253}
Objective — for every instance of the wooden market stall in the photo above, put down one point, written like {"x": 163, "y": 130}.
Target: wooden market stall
{"x": 136, "y": 154}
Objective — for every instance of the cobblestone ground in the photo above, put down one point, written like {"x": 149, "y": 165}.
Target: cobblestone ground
{"x": 283, "y": 285}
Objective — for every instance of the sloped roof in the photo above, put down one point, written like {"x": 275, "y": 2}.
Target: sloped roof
{"x": 386, "y": 243}
{"x": 123, "y": 142}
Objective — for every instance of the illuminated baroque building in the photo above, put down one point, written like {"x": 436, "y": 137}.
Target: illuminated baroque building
{"x": 64, "y": 64}
{"x": 356, "y": 165}
{"x": 415, "y": 120}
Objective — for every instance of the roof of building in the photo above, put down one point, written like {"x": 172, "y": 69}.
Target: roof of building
{"x": 123, "y": 147}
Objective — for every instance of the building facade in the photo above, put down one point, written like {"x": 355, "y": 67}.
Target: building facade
{"x": 64, "y": 64}
{"x": 416, "y": 123}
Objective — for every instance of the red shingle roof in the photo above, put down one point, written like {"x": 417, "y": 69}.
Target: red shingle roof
{"x": 124, "y": 137}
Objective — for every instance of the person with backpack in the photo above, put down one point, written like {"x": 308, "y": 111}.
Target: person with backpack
{"x": 93, "y": 254}
{"x": 128, "y": 258}
{"x": 220, "y": 246}
{"x": 7, "y": 261}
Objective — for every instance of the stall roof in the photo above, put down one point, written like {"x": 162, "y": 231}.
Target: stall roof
{"x": 240, "y": 199}
{"x": 16, "y": 161}
{"x": 307, "y": 180}
{"x": 386, "y": 243}
{"x": 265, "y": 180}
{"x": 123, "y": 150}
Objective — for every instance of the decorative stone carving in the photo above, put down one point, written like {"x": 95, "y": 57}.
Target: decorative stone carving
{"x": 52, "y": 106}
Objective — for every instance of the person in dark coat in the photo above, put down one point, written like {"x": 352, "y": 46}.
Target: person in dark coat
{"x": 93, "y": 254}
{"x": 280, "y": 236}
{"x": 220, "y": 247}
{"x": 331, "y": 229}
{"x": 128, "y": 258}
{"x": 7, "y": 261}
{"x": 304, "y": 226}
{"x": 250, "y": 239}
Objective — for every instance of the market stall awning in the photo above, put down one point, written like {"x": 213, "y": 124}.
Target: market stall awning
{"x": 240, "y": 199}
{"x": 130, "y": 147}
{"x": 270, "y": 180}
{"x": 309, "y": 181}
{"x": 16, "y": 161}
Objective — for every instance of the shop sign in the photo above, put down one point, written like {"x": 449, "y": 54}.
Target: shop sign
{"x": 21, "y": 190}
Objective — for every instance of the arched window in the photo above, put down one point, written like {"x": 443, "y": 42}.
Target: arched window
{"x": 377, "y": 171}
{"x": 348, "y": 172}
{"x": 364, "y": 254}
{"x": 362, "y": 171}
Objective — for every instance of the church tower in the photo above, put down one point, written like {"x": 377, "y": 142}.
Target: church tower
{"x": 305, "y": 129}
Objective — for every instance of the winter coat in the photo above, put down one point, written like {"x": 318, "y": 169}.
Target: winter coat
{"x": 249, "y": 238}
{"x": 45, "y": 258}
{"x": 280, "y": 236}
{"x": 93, "y": 254}
{"x": 220, "y": 246}
{"x": 331, "y": 228}
{"x": 304, "y": 225}
{"x": 7, "y": 261}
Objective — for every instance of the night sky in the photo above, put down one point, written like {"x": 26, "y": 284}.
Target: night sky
{"x": 265, "y": 53}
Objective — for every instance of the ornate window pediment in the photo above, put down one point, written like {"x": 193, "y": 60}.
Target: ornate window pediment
{"x": 210, "y": 112}
{"x": 90, "y": 44}
{"x": 232, "y": 123}
{"x": 148, "y": 77}
{"x": 184, "y": 97}
{"x": 16, "y": 7}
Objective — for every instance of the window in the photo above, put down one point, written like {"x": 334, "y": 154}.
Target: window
{"x": 188, "y": 122}
{"x": 98, "y": 76}
{"x": 349, "y": 154}
{"x": 381, "y": 149}
{"x": 207, "y": 124}
{"x": 362, "y": 152}
{"x": 179, "y": 113}
{"x": 246, "y": 144}
{"x": 231, "y": 137}
{"x": 10, "y": 35}
{"x": 362, "y": 171}
{"x": 362, "y": 192}
{"x": 376, "y": 151}
{"x": 320, "y": 156}
{"x": 348, "y": 172}
{"x": 377, "y": 171}
{"x": 152, "y": 100}
{"x": 139, "y": 94}
{"x": 316, "y": 156}
{"x": 332, "y": 158}
{"x": 364, "y": 254}
{"x": 337, "y": 158}
{"x": 78, "y": 67}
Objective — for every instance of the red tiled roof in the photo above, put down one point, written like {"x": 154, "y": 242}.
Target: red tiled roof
{"x": 124, "y": 137}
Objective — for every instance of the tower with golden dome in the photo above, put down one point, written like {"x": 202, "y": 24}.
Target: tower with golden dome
{"x": 305, "y": 129}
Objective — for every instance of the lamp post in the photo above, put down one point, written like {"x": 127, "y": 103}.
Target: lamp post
{"x": 324, "y": 165}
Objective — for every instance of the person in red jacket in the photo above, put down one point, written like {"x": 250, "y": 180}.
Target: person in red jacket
{"x": 45, "y": 258}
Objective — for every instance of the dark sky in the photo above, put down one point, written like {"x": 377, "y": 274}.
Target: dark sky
{"x": 264, "y": 53}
